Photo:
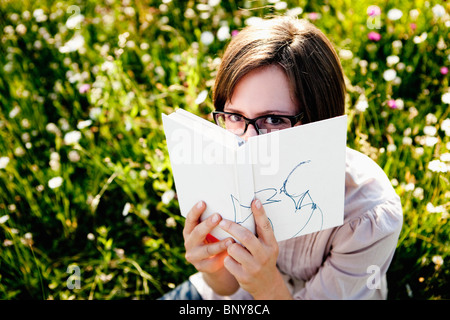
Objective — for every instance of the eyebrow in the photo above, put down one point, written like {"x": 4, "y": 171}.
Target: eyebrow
{"x": 264, "y": 113}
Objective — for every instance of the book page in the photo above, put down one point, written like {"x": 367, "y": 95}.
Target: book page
{"x": 203, "y": 161}
{"x": 299, "y": 176}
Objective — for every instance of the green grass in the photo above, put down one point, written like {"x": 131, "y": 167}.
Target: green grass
{"x": 114, "y": 215}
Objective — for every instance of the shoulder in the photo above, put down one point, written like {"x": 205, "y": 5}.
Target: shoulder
{"x": 362, "y": 171}
{"x": 366, "y": 185}
{"x": 373, "y": 210}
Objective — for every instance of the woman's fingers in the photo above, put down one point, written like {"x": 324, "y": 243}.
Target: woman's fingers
{"x": 198, "y": 235}
{"x": 206, "y": 257}
{"x": 252, "y": 251}
{"x": 195, "y": 233}
{"x": 240, "y": 233}
{"x": 208, "y": 250}
{"x": 253, "y": 246}
{"x": 249, "y": 242}
{"x": 195, "y": 230}
{"x": 264, "y": 228}
{"x": 193, "y": 217}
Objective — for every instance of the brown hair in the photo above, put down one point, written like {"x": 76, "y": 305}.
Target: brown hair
{"x": 302, "y": 50}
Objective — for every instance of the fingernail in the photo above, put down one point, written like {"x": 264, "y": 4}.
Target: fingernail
{"x": 257, "y": 204}
{"x": 199, "y": 204}
{"x": 223, "y": 224}
{"x": 228, "y": 243}
{"x": 215, "y": 218}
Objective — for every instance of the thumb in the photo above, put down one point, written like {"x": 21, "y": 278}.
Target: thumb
{"x": 264, "y": 228}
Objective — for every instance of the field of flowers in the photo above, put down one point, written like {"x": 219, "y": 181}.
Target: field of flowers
{"x": 87, "y": 202}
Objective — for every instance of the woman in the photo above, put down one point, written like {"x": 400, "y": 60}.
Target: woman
{"x": 287, "y": 67}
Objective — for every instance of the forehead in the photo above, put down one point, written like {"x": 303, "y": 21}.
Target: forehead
{"x": 261, "y": 91}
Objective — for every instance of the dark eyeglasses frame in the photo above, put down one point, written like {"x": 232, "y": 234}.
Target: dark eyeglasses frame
{"x": 294, "y": 119}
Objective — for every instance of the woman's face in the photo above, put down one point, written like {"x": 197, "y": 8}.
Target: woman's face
{"x": 263, "y": 91}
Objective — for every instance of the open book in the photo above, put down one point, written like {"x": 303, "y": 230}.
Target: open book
{"x": 298, "y": 174}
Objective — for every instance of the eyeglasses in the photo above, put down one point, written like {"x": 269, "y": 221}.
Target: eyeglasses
{"x": 238, "y": 124}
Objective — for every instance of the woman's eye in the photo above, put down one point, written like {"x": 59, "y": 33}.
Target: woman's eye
{"x": 235, "y": 118}
{"x": 274, "y": 120}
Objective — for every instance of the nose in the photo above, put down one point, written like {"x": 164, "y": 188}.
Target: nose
{"x": 251, "y": 132}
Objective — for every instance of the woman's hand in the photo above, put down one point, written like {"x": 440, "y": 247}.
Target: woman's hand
{"x": 208, "y": 257}
{"x": 253, "y": 262}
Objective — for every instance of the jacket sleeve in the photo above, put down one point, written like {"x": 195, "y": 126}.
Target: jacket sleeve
{"x": 361, "y": 252}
